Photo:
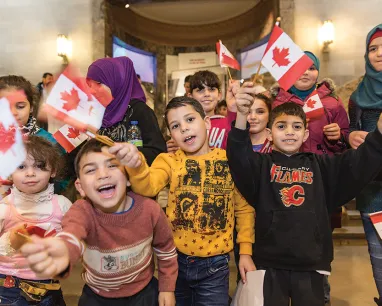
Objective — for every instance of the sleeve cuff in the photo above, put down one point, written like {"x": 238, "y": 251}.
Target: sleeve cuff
{"x": 245, "y": 248}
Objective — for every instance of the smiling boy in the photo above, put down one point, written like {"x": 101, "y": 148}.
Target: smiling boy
{"x": 116, "y": 232}
{"x": 202, "y": 206}
{"x": 293, "y": 194}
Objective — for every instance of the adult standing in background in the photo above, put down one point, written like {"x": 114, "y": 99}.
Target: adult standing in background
{"x": 47, "y": 79}
{"x": 365, "y": 106}
{"x": 116, "y": 76}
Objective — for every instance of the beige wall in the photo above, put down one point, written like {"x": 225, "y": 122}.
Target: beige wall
{"x": 28, "y": 35}
{"x": 352, "y": 19}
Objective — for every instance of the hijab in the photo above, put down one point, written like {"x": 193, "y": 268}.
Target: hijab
{"x": 368, "y": 94}
{"x": 303, "y": 94}
{"x": 119, "y": 75}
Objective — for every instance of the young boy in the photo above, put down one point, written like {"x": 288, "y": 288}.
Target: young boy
{"x": 202, "y": 206}
{"x": 293, "y": 194}
{"x": 221, "y": 108}
{"x": 116, "y": 232}
{"x": 205, "y": 87}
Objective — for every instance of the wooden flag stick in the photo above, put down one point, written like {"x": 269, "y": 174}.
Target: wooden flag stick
{"x": 104, "y": 139}
{"x": 229, "y": 73}
{"x": 29, "y": 239}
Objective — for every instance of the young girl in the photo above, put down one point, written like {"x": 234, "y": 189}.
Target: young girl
{"x": 258, "y": 119}
{"x": 23, "y": 112}
{"x": 31, "y": 208}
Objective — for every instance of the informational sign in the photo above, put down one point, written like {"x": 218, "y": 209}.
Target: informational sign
{"x": 197, "y": 60}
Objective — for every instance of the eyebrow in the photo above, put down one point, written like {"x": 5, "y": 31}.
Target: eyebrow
{"x": 186, "y": 115}
{"x": 93, "y": 163}
{"x": 292, "y": 122}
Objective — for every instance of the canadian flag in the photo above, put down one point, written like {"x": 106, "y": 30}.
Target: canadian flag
{"x": 284, "y": 59}
{"x": 313, "y": 107}
{"x": 69, "y": 137}
{"x": 70, "y": 101}
{"x": 376, "y": 219}
{"x": 225, "y": 57}
{"x": 12, "y": 151}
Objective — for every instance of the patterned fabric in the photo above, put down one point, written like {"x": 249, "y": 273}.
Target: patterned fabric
{"x": 118, "y": 259}
{"x": 202, "y": 204}
{"x": 31, "y": 128}
{"x": 118, "y": 131}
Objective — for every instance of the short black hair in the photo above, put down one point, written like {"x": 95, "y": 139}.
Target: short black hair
{"x": 46, "y": 74}
{"x": 266, "y": 100}
{"x": 288, "y": 108}
{"x": 90, "y": 146}
{"x": 183, "y": 101}
{"x": 205, "y": 78}
{"x": 222, "y": 103}
{"x": 188, "y": 78}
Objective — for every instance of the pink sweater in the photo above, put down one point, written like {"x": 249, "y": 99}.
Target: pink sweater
{"x": 118, "y": 249}
{"x": 220, "y": 127}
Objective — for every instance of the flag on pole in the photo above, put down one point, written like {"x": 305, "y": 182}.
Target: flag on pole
{"x": 12, "y": 151}
{"x": 226, "y": 58}
{"x": 70, "y": 101}
{"x": 69, "y": 137}
{"x": 284, "y": 59}
{"x": 313, "y": 107}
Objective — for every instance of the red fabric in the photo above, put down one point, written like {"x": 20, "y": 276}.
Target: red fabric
{"x": 334, "y": 113}
{"x": 377, "y": 34}
{"x": 220, "y": 127}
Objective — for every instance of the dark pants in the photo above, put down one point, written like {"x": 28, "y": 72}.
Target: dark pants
{"x": 148, "y": 296}
{"x": 16, "y": 297}
{"x": 202, "y": 281}
{"x": 302, "y": 288}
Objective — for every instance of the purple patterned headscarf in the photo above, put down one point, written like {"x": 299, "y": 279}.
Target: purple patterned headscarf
{"x": 119, "y": 75}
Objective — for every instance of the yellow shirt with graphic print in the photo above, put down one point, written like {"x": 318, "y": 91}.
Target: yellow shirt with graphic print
{"x": 203, "y": 201}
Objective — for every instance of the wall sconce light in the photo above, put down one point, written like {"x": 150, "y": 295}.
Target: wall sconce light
{"x": 326, "y": 35}
{"x": 64, "y": 47}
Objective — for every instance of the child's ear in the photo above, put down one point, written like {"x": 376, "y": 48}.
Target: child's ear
{"x": 220, "y": 96}
{"x": 128, "y": 184}
{"x": 306, "y": 135}
{"x": 207, "y": 121}
{"x": 53, "y": 174}
{"x": 269, "y": 134}
{"x": 77, "y": 183}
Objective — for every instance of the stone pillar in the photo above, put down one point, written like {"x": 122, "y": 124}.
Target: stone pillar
{"x": 287, "y": 8}
{"x": 98, "y": 28}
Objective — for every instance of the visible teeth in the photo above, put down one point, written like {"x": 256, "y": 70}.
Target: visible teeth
{"x": 106, "y": 187}
{"x": 188, "y": 138}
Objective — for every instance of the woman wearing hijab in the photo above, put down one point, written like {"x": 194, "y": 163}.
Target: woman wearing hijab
{"x": 365, "y": 106}
{"x": 116, "y": 76}
{"x": 327, "y": 133}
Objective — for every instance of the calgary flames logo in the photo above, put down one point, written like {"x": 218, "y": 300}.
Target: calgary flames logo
{"x": 294, "y": 195}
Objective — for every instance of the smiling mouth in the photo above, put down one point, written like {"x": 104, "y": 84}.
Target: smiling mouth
{"x": 289, "y": 140}
{"x": 106, "y": 191}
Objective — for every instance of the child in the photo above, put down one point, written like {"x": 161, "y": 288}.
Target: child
{"x": 23, "y": 110}
{"x": 32, "y": 207}
{"x": 23, "y": 113}
{"x": 221, "y": 108}
{"x": 258, "y": 117}
{"x": 205, "y": 87}
{"x": 202, "y": 206}
{"x": 293, "y": 194}
{"x": 116, "y": 232}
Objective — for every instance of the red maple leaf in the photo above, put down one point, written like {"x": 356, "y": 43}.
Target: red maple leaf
{"x": 7, "y": 137}
{"x": 310, "y": 103}
{"x": 73, "y": 133}
{"x": 280, "y": 57}
{"x": 72, "y": 99}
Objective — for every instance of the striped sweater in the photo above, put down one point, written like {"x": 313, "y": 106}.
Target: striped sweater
{"x": 117, "y": 249}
